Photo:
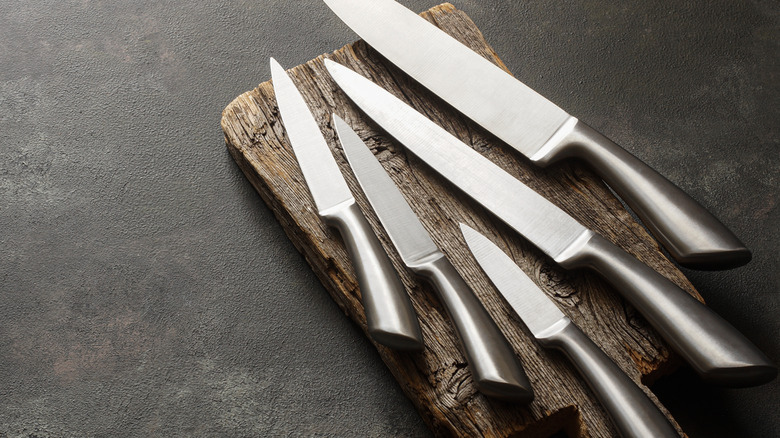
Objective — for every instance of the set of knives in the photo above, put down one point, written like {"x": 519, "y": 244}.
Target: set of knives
{"x": 537, "y": 128}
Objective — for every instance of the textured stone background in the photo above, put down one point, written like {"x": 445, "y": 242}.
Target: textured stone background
{"x": 146, "y": 290}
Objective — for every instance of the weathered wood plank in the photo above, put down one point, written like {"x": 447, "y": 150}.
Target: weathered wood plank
{"x": 437, "y": 380}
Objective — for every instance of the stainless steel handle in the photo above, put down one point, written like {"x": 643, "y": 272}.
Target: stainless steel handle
{"x": 632, "y": 412}
{"x": 691, "y": 234}
{"x": 390, "y": 317}
{"x": 493, "y": 364}
{"x": 712, "y": 346}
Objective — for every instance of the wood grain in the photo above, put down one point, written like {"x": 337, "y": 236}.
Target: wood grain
{"x": 437, "y": 380}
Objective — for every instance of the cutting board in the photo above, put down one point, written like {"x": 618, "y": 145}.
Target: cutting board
{"x": 437, "y": 380}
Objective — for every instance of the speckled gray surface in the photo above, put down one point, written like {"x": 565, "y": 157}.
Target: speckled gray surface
{"x": 146, "y": 290}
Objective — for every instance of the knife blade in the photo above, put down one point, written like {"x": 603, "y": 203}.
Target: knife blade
{"x": 539, "y": 129}
{"x": 494, "y": 367}
{"x": 632, "y": 412}
{"x": 714, "y": 349}
{"x": 390, "y": 318}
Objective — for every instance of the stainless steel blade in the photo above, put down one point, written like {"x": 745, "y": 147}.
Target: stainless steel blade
{"x": 540, "y": 221}
{"x": 535, "y": 308}
{"x": 478, "y": 88}
{"x": 401, "y": 223}
{"x": 323, "y": 177}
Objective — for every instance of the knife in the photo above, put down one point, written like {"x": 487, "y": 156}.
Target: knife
{"x": 390, "y": 318}
{"x": 715, "y": 349}
{"x": 493, "y": 364}
{"x": 632, "y": 412}
{"x": 539, "y": 129}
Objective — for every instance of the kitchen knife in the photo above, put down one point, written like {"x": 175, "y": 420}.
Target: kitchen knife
{"x": 539, "y": 129}
{"x": 493, "y": 364}
{"x": 390, "y": 317}
{"x": 632, "y": 412}
{"x": 715, "y": 349}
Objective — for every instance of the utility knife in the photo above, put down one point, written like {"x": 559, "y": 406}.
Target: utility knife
{"x": 632, "y": 412}
{"x": 494, "y": 367}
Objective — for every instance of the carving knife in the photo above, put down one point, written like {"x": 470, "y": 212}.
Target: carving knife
{"x": 632, "y": 412}
{"x": 539, "y": 129}
{"x": 715, "y": 349}
{"x": 390, "y": 317}
{"x": 493, "y": 364}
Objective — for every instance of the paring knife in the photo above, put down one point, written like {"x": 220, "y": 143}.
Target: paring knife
{"x": 390, "y": 317}
{"x": 715, "y": 349}
{"x": 539, "y": 129}
{"x": 493, "y": 364}
{"x": 632, "y": 412}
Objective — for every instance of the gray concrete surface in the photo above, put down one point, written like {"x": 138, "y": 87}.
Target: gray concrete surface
{"x": 146, "y": 290}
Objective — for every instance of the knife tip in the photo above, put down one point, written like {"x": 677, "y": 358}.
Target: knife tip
{"x": 471, "y": 235}
{"x": 332, "y": 66}
{"x": 348, "y": 138}
{"x": 276, "y": 68}
{"x": 328, "y": 62}
{"x": 338, "y": 121}
{"x": 339, "y": 125}
{"x": 465, "y": 229}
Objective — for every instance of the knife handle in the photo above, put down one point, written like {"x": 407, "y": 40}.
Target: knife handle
{"x": 632, "y": 412}
{"x": 691, "y": 234}
{"x": 714, "y": 348}
{"x": 493, "y": 364}
{"x": 390, "y": 317}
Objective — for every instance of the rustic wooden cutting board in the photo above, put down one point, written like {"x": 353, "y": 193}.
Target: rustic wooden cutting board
{"x": 437, "y": 380}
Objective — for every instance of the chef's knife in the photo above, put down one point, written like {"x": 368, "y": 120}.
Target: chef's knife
{"x": 632, "y": 412}
{"x": 390, "y": 317}
{"x": 715, "y": 349}
{"x": 539, "y": 129}
{"x": 493, "y": 364}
